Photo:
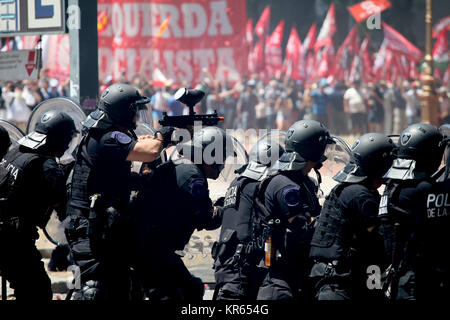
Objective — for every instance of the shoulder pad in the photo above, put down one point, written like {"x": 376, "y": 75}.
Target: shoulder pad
{"x": 121, "y": 137}
{"x": 291, "y": 196}
{"x": 198, "y": 188}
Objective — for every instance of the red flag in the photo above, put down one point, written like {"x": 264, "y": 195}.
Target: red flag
{"x": 273, "y": 50}
{"x": 349, "y": 46}
{"x": 308, "y": 44}
{"x": 324, "y": 63}
{"x": 398, "y": 43}
{"x": 363, "y": 10}
{"x": 292, "y": 64}
{"x": 256, "y": 57}
{"x": 441, "y": 53}
{"x": 325, "y": 37}
{"x": 442, "y": 24}
{"x": 398, "y": 67}
{"x": 365, "y": 60}
{"x": 380, "y": 61}
{"x": 310, "y": 40}
{"x": 262, "y": 25}
{"x": 249, "y": 32}
{"x": 310, "y": 67}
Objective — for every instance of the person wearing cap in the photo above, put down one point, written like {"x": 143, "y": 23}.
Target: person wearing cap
{"x": 5, "y": 142}
{"x": 101, "y": 184}
{"x": 235, "y": 255}
{"x": 345, "y": 241}
{"x": 53, "y": 89}
{"x": 32, "y": 184}
{"x": 414, "y": 219}
{"x": 285, "y": 205}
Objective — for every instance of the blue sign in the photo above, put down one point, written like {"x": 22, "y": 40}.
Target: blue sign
{"x": 42, "y": 11}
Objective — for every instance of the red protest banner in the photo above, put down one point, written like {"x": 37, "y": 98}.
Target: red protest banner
{"x": 273, "y": 53}
{"x": 398, "y": 43}
{"x": 363, "y": 10}
{"x": 201, "y": 34}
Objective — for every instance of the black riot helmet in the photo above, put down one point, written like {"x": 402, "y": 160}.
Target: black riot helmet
{"x": 262, "y": 156}
{"x": 210, "y": 145}
{"x": 5, "y": 141}
{"x": 54, "y": 130}
{"x": 305, "y": 140}
{"x": 121, "y": 102}
{"x": 420, "y": 151}
{"x": 372, "y": 156}
{"x": 308, "y": 138}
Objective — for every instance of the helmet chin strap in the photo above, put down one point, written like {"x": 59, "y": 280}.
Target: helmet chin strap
{"x": 319, "y": 176}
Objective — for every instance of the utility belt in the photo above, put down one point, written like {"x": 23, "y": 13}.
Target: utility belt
{"x": 101, "y": 219}
{"x": 8, "y": 223}
{"x": 283, "y": 244}
{"x": 242, "y": 252}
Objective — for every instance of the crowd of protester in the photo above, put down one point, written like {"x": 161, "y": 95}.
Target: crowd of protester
{"x": 345, "y": 108}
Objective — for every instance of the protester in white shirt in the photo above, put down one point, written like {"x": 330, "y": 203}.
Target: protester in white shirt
{"x": 354, "y": 105}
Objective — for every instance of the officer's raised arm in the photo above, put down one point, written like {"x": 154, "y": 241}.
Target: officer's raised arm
{"x": 148, "y": 150}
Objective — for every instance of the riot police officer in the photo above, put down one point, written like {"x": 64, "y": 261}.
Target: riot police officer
{"x": 345, "y": 241}
{"x": 100, "y": 191}
{"x": 167, "y": 215}
{"x": 409, "y": 212}
{"x": 31, "y": 183}
{"x": 286, "y": 205}
{"x": 5, "y": 142}
{"x": 235, "y": 267}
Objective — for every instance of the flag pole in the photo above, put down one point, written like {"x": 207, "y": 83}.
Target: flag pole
{"x": 429, "y": 100}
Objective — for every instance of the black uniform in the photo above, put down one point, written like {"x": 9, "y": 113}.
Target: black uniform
{"x": 342, "y": 247}
{"x": 416, "y": 246}
{"x": 431, "y": 229}
{"x": 165, "y": 220}
{"x": 31, "y": 185}
{"x": 235, "y": 255}
{"x": 405, "y": 206}
{"x": 289, "y": 194}
{"x": 96, "y": 232}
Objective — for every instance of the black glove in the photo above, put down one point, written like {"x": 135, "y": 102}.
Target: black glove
{"x": 219, "y": 202}
{"x": 166, "y": 133}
